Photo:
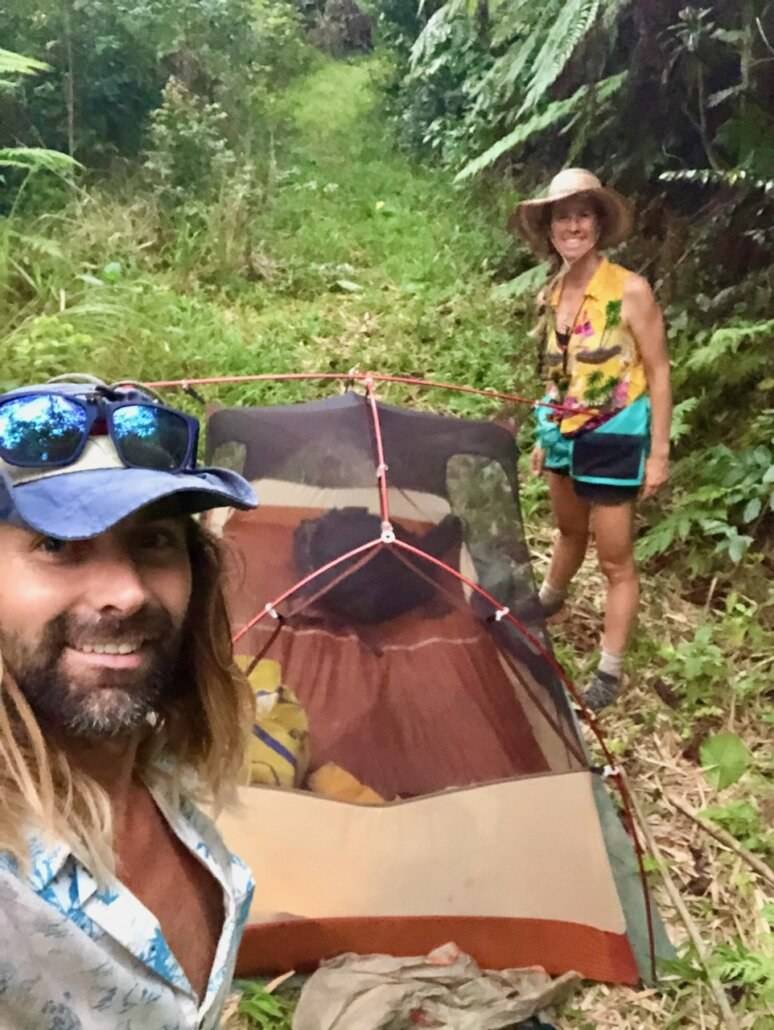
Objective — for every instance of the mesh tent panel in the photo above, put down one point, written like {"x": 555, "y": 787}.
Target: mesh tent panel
{"x": 408, "y": 680}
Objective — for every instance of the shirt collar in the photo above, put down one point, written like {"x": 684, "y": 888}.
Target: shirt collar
{"x": 46, "y": 861}
{"x": 47, "y": 857}
{"x": 593, "y": 289}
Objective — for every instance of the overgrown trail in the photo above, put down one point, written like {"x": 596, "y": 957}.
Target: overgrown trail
{"x": 351, "y": 197}
{"x": 342, "y": 252}
{"x": 372, "y": 260}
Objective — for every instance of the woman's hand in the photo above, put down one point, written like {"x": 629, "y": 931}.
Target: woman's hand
{"x": 656, "y": 475}
{"x": 537, "y": 461}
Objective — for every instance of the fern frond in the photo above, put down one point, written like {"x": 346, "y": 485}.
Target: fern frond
{"x": 16, "y": 64}
{"x": 516, "y": 19}
{"x": 735, "y": 177}
{"x": 528, "y": 282}
{"x": 681, "y": 423}
{"x": 38, "y": 244}
{"x": 506, "y": 70}
{"x": 569, "y": 29}
{"x": 549, "y": 116}
{"x": 13, "y": 66}
{"x": 436, "y": 31}
{"x": 37, "y": 159}
{"x": 728, "y": 340}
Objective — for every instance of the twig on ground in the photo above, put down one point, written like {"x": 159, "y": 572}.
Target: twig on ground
{"x": 675, "y": 897}
{"x": 710, "y": 595}
{"x": 725, "y": 838}
{"x": 278, "y": 981}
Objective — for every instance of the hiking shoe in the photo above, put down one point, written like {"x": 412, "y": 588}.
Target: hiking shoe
{"x": 602, "y": 691}
{"x": 550, "y": 608}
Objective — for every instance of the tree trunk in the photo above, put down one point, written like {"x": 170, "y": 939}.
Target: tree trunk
{"x": 69, "y": 80}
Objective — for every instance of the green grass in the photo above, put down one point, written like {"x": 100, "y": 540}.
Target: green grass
{"x": 351, "y": 256}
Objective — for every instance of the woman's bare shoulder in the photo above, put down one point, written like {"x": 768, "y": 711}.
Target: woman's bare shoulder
{"x": 636, "y": 288}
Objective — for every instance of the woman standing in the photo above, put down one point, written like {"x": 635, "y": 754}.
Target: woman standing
{"x": 604, "y": 355}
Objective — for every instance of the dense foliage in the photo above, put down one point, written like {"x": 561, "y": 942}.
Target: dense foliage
{"x": 109, "y": 60}
{"x": 592, "y": 81}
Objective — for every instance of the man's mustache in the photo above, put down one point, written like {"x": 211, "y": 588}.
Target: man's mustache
{"x": 145, "y": 626}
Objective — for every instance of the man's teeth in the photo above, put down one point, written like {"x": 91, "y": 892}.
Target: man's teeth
{"x": 110, "y": 648}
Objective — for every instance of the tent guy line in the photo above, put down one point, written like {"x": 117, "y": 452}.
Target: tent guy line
{"x": 365, "y": 377}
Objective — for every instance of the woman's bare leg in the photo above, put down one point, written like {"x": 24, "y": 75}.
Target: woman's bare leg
{"x": 613, "y": 532}
{"x": 571, "y": 517}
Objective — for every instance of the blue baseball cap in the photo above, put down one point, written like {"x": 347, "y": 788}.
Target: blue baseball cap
{"x": 96, "y": 491}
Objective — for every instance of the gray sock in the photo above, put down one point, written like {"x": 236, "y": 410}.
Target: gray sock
{"x": 550, "y": 597}
{"x": 611, "y": 664}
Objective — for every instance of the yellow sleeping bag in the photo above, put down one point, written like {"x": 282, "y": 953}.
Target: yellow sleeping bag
{"x": 278, "y": 753}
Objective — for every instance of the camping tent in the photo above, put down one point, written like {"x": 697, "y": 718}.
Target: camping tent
{"x": 385, "y": 573}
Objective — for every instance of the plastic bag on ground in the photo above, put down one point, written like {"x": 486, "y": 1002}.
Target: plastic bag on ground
{"x": 445, "y": 989}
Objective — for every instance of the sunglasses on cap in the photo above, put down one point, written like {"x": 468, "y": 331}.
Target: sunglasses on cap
{"x": 47, "y": 428}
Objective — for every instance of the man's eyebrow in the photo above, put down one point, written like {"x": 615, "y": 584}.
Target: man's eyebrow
{"x": 144, "y": 522}
{"x": 159, "y": 511}
{"x": 162, "y": 521}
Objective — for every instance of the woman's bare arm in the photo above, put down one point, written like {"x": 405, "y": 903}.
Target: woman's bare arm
{"x": 646, "y": 321}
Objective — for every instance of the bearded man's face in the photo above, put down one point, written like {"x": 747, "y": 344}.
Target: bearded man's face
{"x": 91, "y": 630}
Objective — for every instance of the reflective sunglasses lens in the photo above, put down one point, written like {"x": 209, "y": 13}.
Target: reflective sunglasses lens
{"x": 41, "y": 429}
{"x": 150, "y": 437}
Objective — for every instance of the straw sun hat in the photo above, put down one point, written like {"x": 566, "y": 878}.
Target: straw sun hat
{"x": 529, "y": 217}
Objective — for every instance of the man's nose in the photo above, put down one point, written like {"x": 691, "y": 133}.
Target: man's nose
{"x": 114, "y": 581}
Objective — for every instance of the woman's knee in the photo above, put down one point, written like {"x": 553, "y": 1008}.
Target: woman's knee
{"x": 619, "y": 569}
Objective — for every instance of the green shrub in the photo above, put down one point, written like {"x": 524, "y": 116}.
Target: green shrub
{"x": 189, "y": 156}
{"x": 110, "y": 59}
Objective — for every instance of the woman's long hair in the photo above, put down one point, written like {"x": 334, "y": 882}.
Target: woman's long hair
{"x": 197, "y": 746}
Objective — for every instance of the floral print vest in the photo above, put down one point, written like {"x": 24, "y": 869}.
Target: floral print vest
{"x": 600, "y": 367}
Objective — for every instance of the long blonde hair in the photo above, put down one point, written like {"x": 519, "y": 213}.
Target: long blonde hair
{"x": 197, "y": 746}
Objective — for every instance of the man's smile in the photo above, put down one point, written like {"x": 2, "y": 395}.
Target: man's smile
{"x": 110, "y": 654}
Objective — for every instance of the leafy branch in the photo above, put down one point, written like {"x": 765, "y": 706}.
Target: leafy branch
{"x": 558, "y": 111}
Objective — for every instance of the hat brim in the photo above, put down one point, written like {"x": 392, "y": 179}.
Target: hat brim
{"x": 80, "y": 505}
{"x": 528, "y": 218}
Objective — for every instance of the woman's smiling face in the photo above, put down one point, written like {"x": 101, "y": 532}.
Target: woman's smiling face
{"x": 575, "y": 227}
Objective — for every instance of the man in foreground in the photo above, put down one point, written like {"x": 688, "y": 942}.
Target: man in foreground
{"x": 120, "y": 906}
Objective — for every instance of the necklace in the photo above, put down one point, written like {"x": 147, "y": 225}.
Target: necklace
{"x": 563, "y": 336}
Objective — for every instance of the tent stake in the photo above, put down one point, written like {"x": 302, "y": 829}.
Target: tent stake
{"x": 725, "y": 838}
{"x": 729, "y": 1019}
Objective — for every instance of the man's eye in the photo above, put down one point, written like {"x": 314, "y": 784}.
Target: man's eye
{"x": 160, "y": 539}
{"x": 50, "y": 545}
{"x": 156, "y": 538}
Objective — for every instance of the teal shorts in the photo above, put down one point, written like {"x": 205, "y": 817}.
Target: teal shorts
{"x": 607, "y": 462}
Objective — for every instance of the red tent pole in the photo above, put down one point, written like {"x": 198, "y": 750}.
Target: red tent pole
{"x": 381, "y": 464}
{"x": 270, "y": 608}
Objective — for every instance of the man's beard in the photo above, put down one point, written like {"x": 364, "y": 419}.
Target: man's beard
{"x": 107, "y": 702}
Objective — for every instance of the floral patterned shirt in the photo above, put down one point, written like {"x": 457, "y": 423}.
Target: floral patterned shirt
{"x": 77, "y": 956}
{"x": 600, "y": 367}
